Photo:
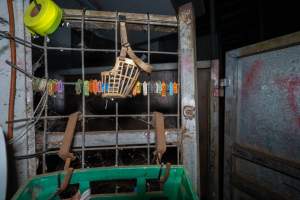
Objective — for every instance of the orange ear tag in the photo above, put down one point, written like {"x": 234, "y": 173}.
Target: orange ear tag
{"x": 134, "y": 90}
{"x": 175, "y": 88}
{"x": 163, "y": 89}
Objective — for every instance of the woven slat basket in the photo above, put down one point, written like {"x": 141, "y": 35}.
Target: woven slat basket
{"x": 121, "y": 79}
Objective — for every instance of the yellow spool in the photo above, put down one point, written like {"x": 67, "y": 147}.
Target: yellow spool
{"x": 46, "y": 20}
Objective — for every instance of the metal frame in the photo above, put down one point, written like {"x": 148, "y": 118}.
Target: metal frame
{"x": 85, "y": 140}
{"x": 186, "y": 138}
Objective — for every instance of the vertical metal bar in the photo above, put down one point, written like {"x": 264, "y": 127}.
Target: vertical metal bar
{"x": 179, "y": 134}
{"x": 190, "y": 144}
{"x": 83, "y": 97}
{"x": 117, "y": 105}
{"x": 117, "y": 135}
{"x": 46, "y": 106}
{"x": 214, "y": 132}
{"x": 116, "y": 35}
{"x": 148, "y": 94}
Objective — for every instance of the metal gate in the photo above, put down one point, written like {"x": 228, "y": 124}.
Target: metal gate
{"x": 262, "y": 120}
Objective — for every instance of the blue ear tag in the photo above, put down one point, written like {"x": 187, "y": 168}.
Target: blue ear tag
{"x": 103, "y": 87}
{"x": 106, "y": 87}
{"x": 171, "y": 90}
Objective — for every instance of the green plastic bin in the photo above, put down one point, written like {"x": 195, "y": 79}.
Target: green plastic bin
{"x": 118, "y": 183}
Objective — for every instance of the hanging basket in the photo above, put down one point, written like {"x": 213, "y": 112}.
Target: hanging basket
{"x": 121, "y": 79}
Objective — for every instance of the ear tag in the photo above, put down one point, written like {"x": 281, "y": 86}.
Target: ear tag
{"x": 95, "y": 87}
{"x": 106, "y": 87}
{"x": 175, "y": 88}
{"x": 134, "y": 93}
{"x": 78, "y": 87}
{"x": 60, "y": 88}
{"x": 163, "y": 89}
{"x": 156, "y": 87}
{"x": 171, "y": 89}
{"x": 99, "y": 87}
{"x": 145, "y": 88}
{"x": 86, "y": 88}
{"x": 138, "y": 88}
{"x": 159, "y": 87}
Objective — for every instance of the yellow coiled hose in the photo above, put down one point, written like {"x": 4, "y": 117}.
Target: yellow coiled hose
{"x": 45, "y": 20}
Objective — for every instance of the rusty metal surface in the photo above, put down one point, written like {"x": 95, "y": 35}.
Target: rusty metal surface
{"x": 262, "y": 110}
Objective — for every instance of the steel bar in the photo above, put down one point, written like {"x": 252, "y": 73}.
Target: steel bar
{"x": 19, "y": 69}
{"x": 31, "y": 45}
{"x": 46, "y": 107}
{"x": 134, "y": 18}
{"x": 116, "y": 104}
{"x": 98, "y": 69}
{"x": 51, "y": 152}
{"x": 83, "y": 96}
{"x": 117, "y": 135}
{"x": 107, "y": 138}
{"x": 148, "y": 88}
{"x": 49, "y": 117}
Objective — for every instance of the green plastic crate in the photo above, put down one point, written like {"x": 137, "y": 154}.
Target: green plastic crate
{"x": 141, "y": 178}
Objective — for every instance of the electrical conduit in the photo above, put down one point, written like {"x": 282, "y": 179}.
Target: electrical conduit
{"x": 12, "y": 92}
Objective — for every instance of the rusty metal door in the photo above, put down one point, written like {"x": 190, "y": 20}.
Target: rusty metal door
{"x": 262, "y": 120}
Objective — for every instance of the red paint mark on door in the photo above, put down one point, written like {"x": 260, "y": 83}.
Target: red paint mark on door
{"x": 291, "y": 84}
{"x": 251, "y": 76}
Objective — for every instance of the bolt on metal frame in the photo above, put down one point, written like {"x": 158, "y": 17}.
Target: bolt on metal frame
{"x": 82, "y": 49}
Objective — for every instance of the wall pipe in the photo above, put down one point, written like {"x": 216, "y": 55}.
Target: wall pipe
{"x": 13, "y": 74}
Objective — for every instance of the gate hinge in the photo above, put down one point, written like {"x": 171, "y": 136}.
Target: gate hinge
{"x": 225, "y": 82}
{"x": 219, "y": 91}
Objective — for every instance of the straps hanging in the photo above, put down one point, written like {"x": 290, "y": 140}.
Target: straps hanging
{"x": 160, "y": 137}
{"x": 126, "y": 49}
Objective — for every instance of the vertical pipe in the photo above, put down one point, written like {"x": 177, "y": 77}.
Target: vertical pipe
{"x": 83, "y": 97}
{"x": 148, "y": 94}
{"x": 13, "y": 73}
{"x": 46, "y": 106}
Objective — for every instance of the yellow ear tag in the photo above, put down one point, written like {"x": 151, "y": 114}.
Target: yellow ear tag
{"x": 138, "y": 87}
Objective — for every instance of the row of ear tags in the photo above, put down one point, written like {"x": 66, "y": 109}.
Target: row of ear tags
{"x": 51, "y": 86}
{"x": 158, "y": 87}
{"x": 155, "y": 87}
{"x": 96, "y": 87}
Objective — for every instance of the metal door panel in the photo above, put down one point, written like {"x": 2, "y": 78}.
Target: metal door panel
{"x": 262, "y": 120}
